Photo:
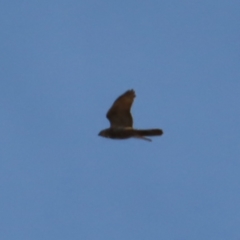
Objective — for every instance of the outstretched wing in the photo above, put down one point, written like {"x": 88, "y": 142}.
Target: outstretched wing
{"x": 119, "y": 114}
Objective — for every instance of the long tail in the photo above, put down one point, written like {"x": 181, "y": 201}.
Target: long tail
{"x": 148, "y": 132}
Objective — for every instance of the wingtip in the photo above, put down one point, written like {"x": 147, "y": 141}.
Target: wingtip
{"x": 132, "y": 91}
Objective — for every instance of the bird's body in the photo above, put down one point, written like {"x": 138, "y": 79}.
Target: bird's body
{"x": 125, "y": 133}
{"x": 121, "y": 121}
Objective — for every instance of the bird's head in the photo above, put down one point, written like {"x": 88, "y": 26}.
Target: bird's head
{"x": 104, "y": 133}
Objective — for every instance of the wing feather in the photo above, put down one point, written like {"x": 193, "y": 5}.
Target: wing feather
{"x": 119, "y": 114}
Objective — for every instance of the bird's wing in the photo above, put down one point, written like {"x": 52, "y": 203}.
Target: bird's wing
{"x": 119, "y": 114}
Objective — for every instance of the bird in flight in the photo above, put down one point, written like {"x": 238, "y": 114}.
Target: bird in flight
{"x": 121, "y": 121}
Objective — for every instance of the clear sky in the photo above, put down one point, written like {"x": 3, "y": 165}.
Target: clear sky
{"x": 63, "y": 63}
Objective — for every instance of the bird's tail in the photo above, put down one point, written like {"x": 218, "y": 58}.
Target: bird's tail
{"x": 150, "y": 132}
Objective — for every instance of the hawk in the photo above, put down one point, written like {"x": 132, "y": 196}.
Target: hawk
{"x": 121, "y": 121}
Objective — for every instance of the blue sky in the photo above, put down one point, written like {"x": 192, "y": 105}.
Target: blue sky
{"x": 63, "y": 63}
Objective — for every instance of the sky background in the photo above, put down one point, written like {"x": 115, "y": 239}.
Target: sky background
{"x": 63, "y": 63}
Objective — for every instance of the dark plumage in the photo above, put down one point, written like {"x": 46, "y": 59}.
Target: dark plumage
{"x": 121, "y": 121}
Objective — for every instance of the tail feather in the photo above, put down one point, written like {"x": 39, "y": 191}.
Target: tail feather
{"x": 150, "y": 132}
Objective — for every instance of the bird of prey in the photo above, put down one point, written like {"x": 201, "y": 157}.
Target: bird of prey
{"x": 121, "y": 121}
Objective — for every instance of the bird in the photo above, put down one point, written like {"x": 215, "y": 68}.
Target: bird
{"x": 121, "y": 120}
